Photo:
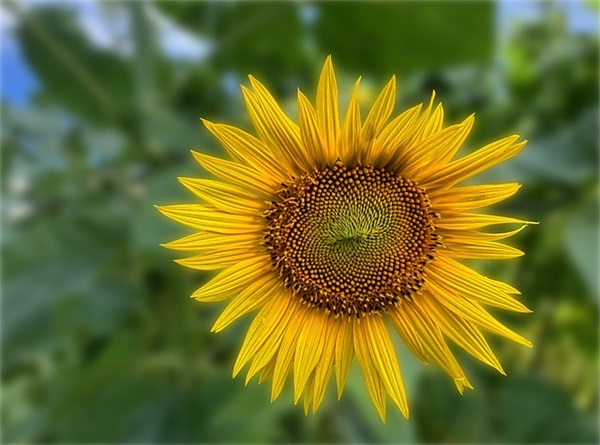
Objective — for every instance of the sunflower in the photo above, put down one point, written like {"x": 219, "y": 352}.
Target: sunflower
{"x": 329, "y": 230}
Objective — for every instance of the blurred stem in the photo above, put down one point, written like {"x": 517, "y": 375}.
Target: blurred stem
{"x": 70, "y": 64}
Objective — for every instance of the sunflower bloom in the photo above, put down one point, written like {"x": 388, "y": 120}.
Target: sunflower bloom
{"x": 329, "y": 230}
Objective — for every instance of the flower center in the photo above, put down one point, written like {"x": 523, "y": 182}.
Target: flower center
{"x": 351, "y": 240}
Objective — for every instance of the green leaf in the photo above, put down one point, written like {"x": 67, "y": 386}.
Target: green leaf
{"x": 400, "y": 37}
{"x": 265, "y": 39}
{"x": 530, "y": 410}
{"x": 94, "y": 83}
{"x": 582, "y": 242}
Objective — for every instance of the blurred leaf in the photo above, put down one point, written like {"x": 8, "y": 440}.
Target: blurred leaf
{"x": 582, "y": 242}
{"x": 400, "y": 37}
{"x": 99, "y": 399}
{"x": 92, "y": 82}
{"x": 34, "y": 297}
{"x": 207, "y": 411}
{"x": 265, "y": 39}
{"x": 442, "y": 415}
{"x": 569, "y": 155}
{"x": 529, "y": 410}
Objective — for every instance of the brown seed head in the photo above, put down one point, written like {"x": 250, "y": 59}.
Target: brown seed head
{"x": 351, "y": 241}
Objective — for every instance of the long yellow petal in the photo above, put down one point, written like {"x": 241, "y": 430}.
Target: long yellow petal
{"x": 421, "y": 125}
{"x": 375, "y": 385}
{"x": 251, "y": 298}
{"x": 349, "y": 146}
{"x": 267, "y": 371}
{"x": 384, "y": 358}
{"x": 469, "y": 221}
{"x": 408, "y": 333}
{"x": 215, "y": 242}
{"x": 241, "y": 175}
{"x": 218, "y": 260}
{"x": 309, "y": 349}
{"x": 230, "y": 281}
{"x": 480, "y": 250}
{"x": 376, "y": 119}
{"x": 393, "y": 138}
{"x": 310, "y": 132}
{"x": 279, "y": 132}
{"x": 462, "y": 333}
{"x": 309, "y": 394}
{"x": 471, "y": 310}
{"x": 434, "y": 343}
{"x": 247, "y": 149}
{"x": 425, "y": 155}
{"x": 465, "y": 198}
{"x": 327, "y": 110}
{"x": 344, "y": 353}
{"x": 270, "y": 323}
{"x": 482, "y": 159}
{"x": 464, "y": 236}
{"x": 435, "y": 122}
{"x": 325, "y": 364}
{"x": 272, "y": 343}
{"x": 287, "y": 349}
{"x": 225, "y": 197}
{"x": 464, "y": 281}
{"x": 212, "y": 220}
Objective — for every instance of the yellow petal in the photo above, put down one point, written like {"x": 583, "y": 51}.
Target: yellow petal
{"x": 462, "y": 333}
{"x": 435, "y": 122}
{"x": 308, "y": 349}
{"x": 480, "y": 250}
{"x": 225, "y": 197}
{"x": 238, "y": 174}
{"x": 287, "y": 350}
{"x": 434, "y": 343}
{"x": 384, "y": 358}
{"x": 428, "y": 154}
{"x": 375, "y": 385}
{"x": 463, "y": 281}
{"x": 215, "y": 242}
{"x": 272, "y": 343}
{"x": 468, "y": 221}
{"x": 270, "y": 323}
{"x": 325, "y": 364}
{"x": 278, "y": 132}
{"x": 309, "y": 130}
{"x": 408, "y": 334}
{"x": 392, "y": 140}
{"x": 474, "y": 163}
{"x": 230, "y": 281}
{"x": 349, "y": 146}
{"x": 245, "y": 148}
{"x": 218, "y": 260}
{"x": 465, "y": 236}
{"x": 267, "y": 371}
{"x": 327, "y": 110}
{"x": 421, "y": 124}
{"x": 309, "y": 394}
{"x": 473, "y": 311}
{"x": 252, "y": 297}
{"x": 202, "y": 217}
{"x": 376, "y": 119}
{"x": 344, "y": 353}
{"x": 465, "y": 198}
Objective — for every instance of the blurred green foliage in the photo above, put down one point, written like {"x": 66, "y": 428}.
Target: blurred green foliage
{"x": 100, "y": 343}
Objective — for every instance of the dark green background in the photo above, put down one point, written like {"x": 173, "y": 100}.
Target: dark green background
{"x": 99, "y": 340}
